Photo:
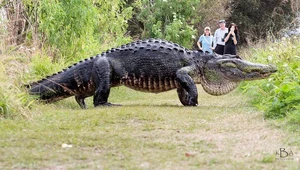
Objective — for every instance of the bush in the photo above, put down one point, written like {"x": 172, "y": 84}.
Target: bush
{"x": 14, "y": 102}
{"x": 171, "y": 20}
{"x": 278, "y": 96}
{"x": 41, "y": 66}
{"x": 258, "y": 19}
{"x": 80, "y": 28}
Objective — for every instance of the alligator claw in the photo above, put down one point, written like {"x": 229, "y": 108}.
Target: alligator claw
{"x": 108, "y": 105}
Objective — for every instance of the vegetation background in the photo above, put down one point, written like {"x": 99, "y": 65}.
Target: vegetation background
{"x": 38, "y": 38}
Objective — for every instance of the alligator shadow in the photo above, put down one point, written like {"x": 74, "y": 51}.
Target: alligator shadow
{"x": 74, "y": 105}
{"x": 153, "y": 105}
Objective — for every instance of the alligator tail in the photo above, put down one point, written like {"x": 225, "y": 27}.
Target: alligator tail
{"x": 49, "y": 90}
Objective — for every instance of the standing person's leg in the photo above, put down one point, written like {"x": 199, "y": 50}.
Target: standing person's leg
{"x": 219, "y": 49}
{"x": 222, "y": 49}
{"x": 230, "y": 50}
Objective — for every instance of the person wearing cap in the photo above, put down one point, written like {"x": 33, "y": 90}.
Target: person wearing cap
{"x": 219, "y": 43}
{"x": 205, "y": 42}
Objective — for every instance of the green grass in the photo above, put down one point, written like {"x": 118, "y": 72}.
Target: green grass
{"x": 150, "y": 131}
{"x": 278, "y": 96}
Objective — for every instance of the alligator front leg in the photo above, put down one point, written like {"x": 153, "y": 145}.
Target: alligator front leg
{"x": 183, "y": 96}
{"x": 187, "y": 90}
{"x": 101, "y": 76}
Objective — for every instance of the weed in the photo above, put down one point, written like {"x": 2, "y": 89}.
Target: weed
{"x": 269, "y": 158}
{"x": 279, "y": 95}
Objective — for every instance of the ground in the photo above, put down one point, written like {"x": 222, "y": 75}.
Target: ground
{"x": 150, "y": 131}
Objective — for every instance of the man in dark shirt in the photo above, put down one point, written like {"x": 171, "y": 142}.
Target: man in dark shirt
{"x": 218, "y": 38}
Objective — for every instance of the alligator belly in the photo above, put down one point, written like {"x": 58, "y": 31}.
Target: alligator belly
{"x": 150, "y": 84}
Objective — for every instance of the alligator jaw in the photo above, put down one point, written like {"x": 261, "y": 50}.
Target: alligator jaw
{"x": 222, "y": 74}
{"x": 218, "y": 88}
{"x": 240, "y": 70}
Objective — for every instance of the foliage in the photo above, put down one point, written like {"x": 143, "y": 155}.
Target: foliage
{"x": 80, "y": 28}
{"x": 258, "y": 19}
{"x": 279, "y": 95}
{"x": 14, "y": 102}
{"x": 42, "y": 66}
{"x": 15, "y": 72}
{"x": 211, "y": 12}
{"x": 168, "y": 19}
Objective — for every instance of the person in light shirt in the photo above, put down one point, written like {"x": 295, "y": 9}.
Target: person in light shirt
{"x": 219, "y": 43}
{"x": 205, "y": 42}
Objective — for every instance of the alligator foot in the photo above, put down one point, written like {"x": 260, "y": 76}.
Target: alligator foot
{"x": 107, "y": 105}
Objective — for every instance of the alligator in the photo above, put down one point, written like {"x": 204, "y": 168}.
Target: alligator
{"x": 150, "y": 65}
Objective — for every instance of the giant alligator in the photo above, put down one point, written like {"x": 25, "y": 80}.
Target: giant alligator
{"x": 151, "y": 65}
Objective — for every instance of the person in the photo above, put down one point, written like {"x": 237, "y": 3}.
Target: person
{"x": 205, "y": 42}
{"x": 218, "y": 38}
{"x": 231, "y": 39}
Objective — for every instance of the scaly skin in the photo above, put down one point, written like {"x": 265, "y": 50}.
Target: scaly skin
{"x": 151, "y": 65}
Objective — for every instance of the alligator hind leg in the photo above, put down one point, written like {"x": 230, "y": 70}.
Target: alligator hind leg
{"x": 101, "y": 75}
{"x": 80, "y": 101}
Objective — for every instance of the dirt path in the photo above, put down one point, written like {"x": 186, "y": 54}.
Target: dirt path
{"x": 241, "y": 134}
{"x": 235, "y": 133}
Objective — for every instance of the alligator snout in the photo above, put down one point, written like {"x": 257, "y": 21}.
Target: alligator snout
{"x": 273, "y": 69}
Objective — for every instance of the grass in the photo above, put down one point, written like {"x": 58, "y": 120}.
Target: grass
{"x": 150, "y": 131}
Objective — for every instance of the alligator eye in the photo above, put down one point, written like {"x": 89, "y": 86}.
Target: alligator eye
{"x": 229, "y": 64}
{"x": 256, "y": 70}
{"x": 238, "y": 57}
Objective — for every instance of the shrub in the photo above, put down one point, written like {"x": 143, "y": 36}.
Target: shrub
{"x": 77, "y": 29}
{"x": 14, "y": 102}
{"x": 171, "y": 20}
{"x": 258, "y": 19}
{"x": 41, "y": 66}
{"x": 279, "y": 95}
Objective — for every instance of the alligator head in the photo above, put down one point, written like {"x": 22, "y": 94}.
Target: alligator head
{"x": 222, "y": 74}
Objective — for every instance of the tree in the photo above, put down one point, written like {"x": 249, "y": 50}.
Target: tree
{"x": 260, "y": 18}
{"x": 168, "y": 19}
{"x": 70, "y": 29}
{"x": 13, "y": 22}
{"x": 78, "y": 28}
